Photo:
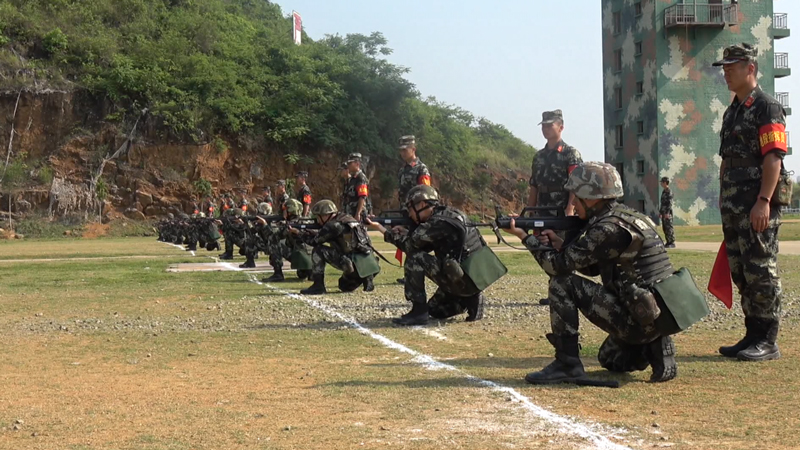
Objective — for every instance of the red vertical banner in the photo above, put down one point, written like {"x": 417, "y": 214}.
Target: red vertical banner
{"x": 297, "y": 27}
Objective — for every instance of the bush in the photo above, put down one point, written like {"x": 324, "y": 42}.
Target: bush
{"x": 203, "y": 187}
{"x": 45, "y": 175}
{"x": 55, "y": 41}
{"x": 42, "y": 227}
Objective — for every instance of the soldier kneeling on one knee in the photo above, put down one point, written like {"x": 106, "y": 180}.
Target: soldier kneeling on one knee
{"x": 343, "y": 243}
{"x": 462, "y": 265}
{"x": 641, "y": 301}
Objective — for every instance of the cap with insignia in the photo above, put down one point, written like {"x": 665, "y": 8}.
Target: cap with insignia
{"x": 280, "y": 183}
{"x": 551, "y": 116}
{"x": 343, "y": 166}
{"x": 267, "y": 188}
{"x": 302, "y": 173}
{"x": 405, "y": 142}
{"x": 736, "y": 53}
{"x": 353, "y": 157}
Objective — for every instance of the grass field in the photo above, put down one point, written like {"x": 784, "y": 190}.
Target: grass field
{"x": 105, "y": 349}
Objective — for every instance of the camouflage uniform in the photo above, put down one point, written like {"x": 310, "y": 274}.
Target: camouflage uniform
{"x": 665, "y": 210}
{"x": 441, "y": 234}
{"x": 551, "y": 167}
{"x": 357, "y": 188}
{"x": 282, "y": 199}
{"x": 751, "y": 128}
{"x": 304, "y": 195}
{"x": 411, "y": 174}
{"x": 336, "y": 242}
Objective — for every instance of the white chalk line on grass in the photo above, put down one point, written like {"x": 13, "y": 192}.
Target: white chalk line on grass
{"x": 564, "y": 424}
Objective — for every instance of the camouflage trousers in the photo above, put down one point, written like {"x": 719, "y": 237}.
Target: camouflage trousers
{"x": 450, "y": 298}
{"x": 278, "y": 250}
{"x": 571, "y": 294}
{"x": 753, "y": 258}
{"x": 325, "y": 254}
{"x": 669, "y": 230}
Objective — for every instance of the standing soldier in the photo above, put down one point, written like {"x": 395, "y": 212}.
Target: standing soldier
{"x": 266, "y": 196}
{"x": 211, "y": 207}
{"x": 357, "y": 189}
{"x": 665, "y": 213}
{"x": 303, "y": 192}
{"x": 753, "y": 145}
{"x": 413, "y": 173}
{"x": 551, "y": 168}
{"x": 281, "y": 195}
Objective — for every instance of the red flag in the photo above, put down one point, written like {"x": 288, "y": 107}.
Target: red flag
{"x": 720, "y": 282}
{"x": 398, "y": 255}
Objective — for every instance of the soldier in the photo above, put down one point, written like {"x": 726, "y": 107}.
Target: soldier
{"x": 281, "y": 195}
{"x": 266, "y": 196}
{"x": 665, "y": 213}
{"x": 413, "y": 173}
{"x": 264, "y": 209}
{"x": 210, "y": 207}
{"x": 283, "y": 244}
{"x": 442, "y": 230}
{"x": 623, "y": 247}
{"x": 357, "y": 193}
{"x": 753, "y": 145}
{"x": 551, "y": 168}
{"x": 303, "y": 192}
{"x": 233, "y": 231}
{"x": 343, "y": 243}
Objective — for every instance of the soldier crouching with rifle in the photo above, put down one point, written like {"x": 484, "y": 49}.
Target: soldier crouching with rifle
{"x": 641, "y": 300}
{"x": 462, "y": 265}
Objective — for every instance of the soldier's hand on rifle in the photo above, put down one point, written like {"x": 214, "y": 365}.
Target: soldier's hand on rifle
{"x": 261, "y": 221}
{"x": 373, "y": 226}
{"x": 550, "y": 238}
{"x": 512, "y": 228}
{"x": 293, "y": 230}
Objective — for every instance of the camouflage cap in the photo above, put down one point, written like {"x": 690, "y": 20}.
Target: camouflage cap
{"x": 353, "y": 157}
{"x": 302, "y": 173}
{"x": 280, "y": 183}
{"x": 343, "y": 166}
{"x": 407, "y": 141}
{"x": 664, "y": 180}
{"x": 551, "y": 116}
{"x": 736, "y": 53}
{"x": 595, "y": 180}
{"x": 267, "y": 188}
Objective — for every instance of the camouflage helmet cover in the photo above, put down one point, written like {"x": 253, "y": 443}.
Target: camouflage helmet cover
{"x": 595, "y": 180}
{"x": 294, "y": 207}
{"x": 422, "y": 193}
{"x": 323, "y": 207}
{"x": 264, "y": 208}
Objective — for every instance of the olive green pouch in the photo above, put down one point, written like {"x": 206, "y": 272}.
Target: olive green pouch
{"x": 782, "y": 196}
{"x": 681, "y": 302}
{"x": 366, "y": 265}
{"x": 300, "y": 259}
{"x": 483, "y": 267}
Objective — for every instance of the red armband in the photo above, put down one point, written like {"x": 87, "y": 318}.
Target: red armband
{"x": 771, "y": 137}
{"x": 307, "y": 199}
{"x": 424, "y": 179}
{"x": 363, "y": 190}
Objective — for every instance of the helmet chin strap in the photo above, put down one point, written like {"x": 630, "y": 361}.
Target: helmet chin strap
{"x": 428, "y": 205}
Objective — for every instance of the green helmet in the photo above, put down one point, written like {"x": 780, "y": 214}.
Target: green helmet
{"x": 422, "y": 193}
{"x": 264, "y": 208}
{"x": 237, "y": 212}
{"x": 295, "y": 208}
{"x": 595, "y": 180}
{"x": 323, "y": 207}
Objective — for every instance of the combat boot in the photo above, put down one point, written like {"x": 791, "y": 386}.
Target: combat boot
{"x": 226, "y": 256}
{"x": 317, "y": 288}
{"x": 544, "y": 301}
{"x": 417, "y": 316}
{"x": 749, "y": 338}
{"x": 566, "y": 368}
{"x": 661, "y": 355}
{"x": 369, "y": 286}
{"x": 276, "y": 277}
{"x": 475, "y": 307}
{"x": 250, "y": 263}
{"x": 303, "y": 274}
{"x": 764, "y": 347}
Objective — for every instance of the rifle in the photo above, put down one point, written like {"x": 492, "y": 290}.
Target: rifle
{"x": 394, "y": 218}
{"x": 304, "y": 224}
{"x": 532, "y": 219}
{"x": 269, "y": 219}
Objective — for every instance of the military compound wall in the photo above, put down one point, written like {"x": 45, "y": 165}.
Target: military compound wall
{"x": 663, "y": 101}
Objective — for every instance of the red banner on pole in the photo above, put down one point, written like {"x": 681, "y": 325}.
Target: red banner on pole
{"x": 720, "y": 284}
{"x": 297, "y": 27}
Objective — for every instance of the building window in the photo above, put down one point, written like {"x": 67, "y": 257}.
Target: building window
{"x": 640, "y": 127}
{"x": 618, "y": 60}
{"x": 618, "y": 141}
{"x": 637, "y": 9}
{"x": 638, "y": 48}
{"x": 621, "y": 169}
{"x": 640, "y": 205}
{"x": 639, "y": 87}
{"x": 617, "y": 19}
{"x": 640, "y": 167}
{"x": 618, "y": 98}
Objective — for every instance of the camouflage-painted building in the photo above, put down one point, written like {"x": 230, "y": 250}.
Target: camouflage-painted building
{"x": 663, "y": 102}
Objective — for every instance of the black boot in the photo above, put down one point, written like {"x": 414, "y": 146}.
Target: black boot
{"x": 401, "y": 281}
{"x": 317, "y": 288}
{"x": 764, "y": 348}
{"x": 567, "y": 366}
{"x": 369, "y": 286}
{"x": 226, "y": 256}
{"x": 749, "y": 338}
{"x": 250, "y": 263}
{"x": 475, "y": 307}
{"x": 661, "y": 355}
{"x": 277, "y": 276}
{"x": 544, "y": 301}
{"x": 417, "y": 316}
{"x": 302, "y": 274}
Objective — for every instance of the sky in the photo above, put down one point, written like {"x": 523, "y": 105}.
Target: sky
{"x": 509, "y": 60}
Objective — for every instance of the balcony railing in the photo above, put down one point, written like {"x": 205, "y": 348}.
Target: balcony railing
{"x": 781, "y": 60}
{"x": 701, "y": 14}
{"x": 783, "y": 98}
{"x": 780, "y": 21}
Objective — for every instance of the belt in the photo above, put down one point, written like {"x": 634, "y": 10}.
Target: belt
{"x": 549, "y": 189}
{"x": 732, "y": 163}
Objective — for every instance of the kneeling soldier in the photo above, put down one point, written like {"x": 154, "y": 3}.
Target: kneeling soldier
{"x": 462, "y": 265}
{"x": 283, "y": 244}
{"x": 348, "y": 249}
{"x": 641, "y": 300}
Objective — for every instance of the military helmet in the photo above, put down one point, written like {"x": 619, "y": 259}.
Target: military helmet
{"x": 595, "y": 180}
{"x": 170, "y": 216}
{"x": 422, "y": 193}
{"x": 323, "y": 207}
{"x": 295, "y": 208}
{"x": 264, "y": 208}
{"x": 237, "y": 212}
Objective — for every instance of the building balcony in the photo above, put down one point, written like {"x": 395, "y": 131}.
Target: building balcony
{"x": 783, "y": 98}
{"x": 782, "y": 65}
{"x": 701, "y": 15}
{"x": 780, "y": 25}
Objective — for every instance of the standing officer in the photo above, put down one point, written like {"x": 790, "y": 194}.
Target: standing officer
{"x": 303, "y": 192}
{"x": 665, "y": 213}
{"x": 753, "y": 145}
{"x": 551, "y": 168}
{"x": 413, "y": 173}
{"x": 281, "y": 195}
{"x": 266, "y": 196}
{"x": 357, "y": 193}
